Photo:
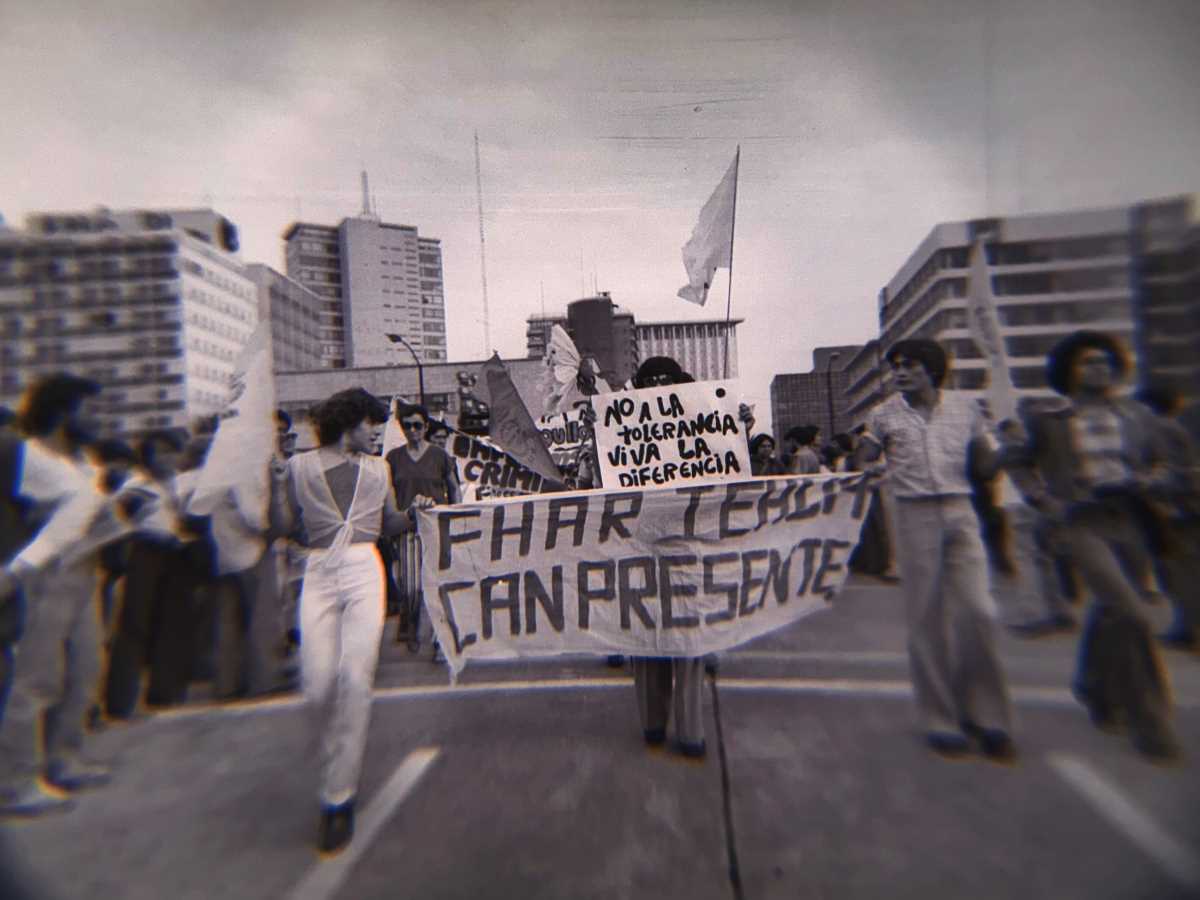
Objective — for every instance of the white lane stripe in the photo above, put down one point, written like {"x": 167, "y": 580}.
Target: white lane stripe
{"x": 1031, "y": 695}
{"x": 326, "y": 876}
{"x": 1177, "y": 860}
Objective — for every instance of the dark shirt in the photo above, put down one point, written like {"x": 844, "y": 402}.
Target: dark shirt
{"x": 431, "y": 475}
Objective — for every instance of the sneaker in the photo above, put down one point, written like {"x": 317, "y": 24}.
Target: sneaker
{"x": 336, "y": 828}
{"x": 32, "y": 801}
{"x": 77, "y": 775}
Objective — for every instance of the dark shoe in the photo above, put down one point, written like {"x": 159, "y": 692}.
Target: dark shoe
{"x": 1178, "y": 640}
{"x": 948, "y": 743}
{"x": 337, "y": 827}
{"x": 655, "y": 737}
{"x": 1158, "y": 747}
{"x": 692, "y": 750}
{"x": 32, "y": 801}
{"x": 615, "y": 661}
{"x": 997, "y": 745}
{"x": 77, "y": 775}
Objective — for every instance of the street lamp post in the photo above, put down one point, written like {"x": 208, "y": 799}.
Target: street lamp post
{"x": 829, "y": 391}
{"x": 397, "y": 339}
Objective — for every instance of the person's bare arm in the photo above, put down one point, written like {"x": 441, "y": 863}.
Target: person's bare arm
{"x": 395, "y": 520}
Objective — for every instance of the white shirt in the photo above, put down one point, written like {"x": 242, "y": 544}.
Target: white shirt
{"x": 927, "y": 459}
{"x": 236, "y": 530}
{"x": 65, "y": 487}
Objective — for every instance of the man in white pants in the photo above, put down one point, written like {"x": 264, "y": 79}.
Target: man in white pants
{"x": 338, "y": 500}
{"x": 930, "y": 436}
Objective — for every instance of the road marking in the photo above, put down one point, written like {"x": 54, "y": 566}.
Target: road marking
{"x": 1174, "y": 858}
{"x": 864, "y": 687}
{"x": 326, "y": 877}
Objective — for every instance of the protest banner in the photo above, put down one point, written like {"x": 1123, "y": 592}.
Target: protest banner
{"x": 485, "y": 470}
{"x": 678, "y": 434}
{"x": 563, "y": 435}
{"x": 679, "y": 571}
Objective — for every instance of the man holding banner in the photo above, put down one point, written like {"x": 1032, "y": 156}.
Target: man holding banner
{"x": 931, "y": 437}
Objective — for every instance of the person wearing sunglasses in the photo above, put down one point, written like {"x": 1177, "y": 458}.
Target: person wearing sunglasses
{"x": 417, "y": 468}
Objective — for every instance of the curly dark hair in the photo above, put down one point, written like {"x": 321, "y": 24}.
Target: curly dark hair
{"x": 657, "y": 365}
{"x": 804, "y": 435}
{"x": 1060, "y": 363}
{"x": 928, "y": 353}
{"x": 52, "y": 400}
{"x": 345, "y": 411}
{"x": 758, "y": 440}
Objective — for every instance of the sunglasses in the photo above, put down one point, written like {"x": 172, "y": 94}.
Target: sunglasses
{"x": 413, "y": 426}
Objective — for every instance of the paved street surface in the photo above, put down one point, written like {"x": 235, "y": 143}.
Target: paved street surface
{"x": 531, "y": 781}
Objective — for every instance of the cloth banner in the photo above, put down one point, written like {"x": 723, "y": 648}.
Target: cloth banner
{"x": 241, "y": 451}
{"x": 484, "y": 470}
{"x": 678, "y": 571}
{"x": 563, "y": 435}
{"x": 683, "y": 433}
{"x": 984, "y": 325}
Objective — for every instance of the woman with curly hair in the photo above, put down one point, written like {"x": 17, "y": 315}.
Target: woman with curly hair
{"x": 337, "y": 500}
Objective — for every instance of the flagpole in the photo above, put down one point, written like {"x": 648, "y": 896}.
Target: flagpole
{"x": 737, "y": 165}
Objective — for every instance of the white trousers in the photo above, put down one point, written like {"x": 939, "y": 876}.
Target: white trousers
{"x": 341, "y": 621}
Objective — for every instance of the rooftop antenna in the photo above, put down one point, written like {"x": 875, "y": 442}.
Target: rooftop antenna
{"x": 487, "y": 329}
{"x": 366, "y": 198}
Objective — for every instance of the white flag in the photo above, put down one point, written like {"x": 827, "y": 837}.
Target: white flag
{"x": 711, "y": 245}
{"x": 984, "y": 324}
{"x": 241, "y": 451}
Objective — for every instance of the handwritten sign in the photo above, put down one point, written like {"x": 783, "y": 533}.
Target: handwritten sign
{"x": 563, "y": 434}
{"x": 679, "y": 434}
{"x": 677, "y": 571}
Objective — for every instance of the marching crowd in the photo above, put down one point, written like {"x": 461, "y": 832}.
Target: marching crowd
{"x": 123, "y": 584}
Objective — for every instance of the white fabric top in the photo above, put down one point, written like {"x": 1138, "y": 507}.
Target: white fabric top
{"x": 69, "y": 488}
{"x": 161, "y": 517}
{"x": 237, "y": 530}
{"x": 927, "y": 459}
{"x": 319, "y": 511}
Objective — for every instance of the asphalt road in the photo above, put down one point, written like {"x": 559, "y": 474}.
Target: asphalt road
{"x": 530, "y": 780}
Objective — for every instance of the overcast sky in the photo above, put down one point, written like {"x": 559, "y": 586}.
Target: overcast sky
{"x": 603, "y": 127}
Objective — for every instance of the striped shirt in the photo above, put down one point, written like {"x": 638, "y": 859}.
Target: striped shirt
{"x": 1096, "y": 433}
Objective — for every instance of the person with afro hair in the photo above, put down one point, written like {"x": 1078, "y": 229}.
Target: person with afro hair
{"x": 1089, "y": 466}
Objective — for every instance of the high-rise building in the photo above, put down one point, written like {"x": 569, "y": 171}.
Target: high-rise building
{"x": 375, "y": 279}
{"x": 699, "y": 346}
{"x": 153, "y": 304}
{"x": 1131, "y": 271}
{"x": 600, "y": 328}
{"x": 295, "y": 316}
{"x": 804, "y": 398}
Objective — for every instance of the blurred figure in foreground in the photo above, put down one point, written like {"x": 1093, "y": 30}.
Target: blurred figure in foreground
{"x": 1088, "y": 467}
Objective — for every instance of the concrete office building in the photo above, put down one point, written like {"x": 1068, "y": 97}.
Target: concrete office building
{"x": 153, "y": 304}
{"x": 295, "y": 316}
{"x": 374, "y": 278}
{"x": 620, "y": 342}
{"x": 1131, "y": 271}
{"x": 803, "y": 398}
